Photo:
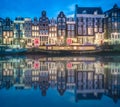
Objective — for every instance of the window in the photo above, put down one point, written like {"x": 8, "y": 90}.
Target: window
{"x": 118, "y": 13}
{"x": 55, "y": 29}
{"x": 29, "y": 40}
{"x": 96, "y": 12}
{"x": 100, "y": 29}
{"x": 33, "y": 27}
{"x": 21, "y": 26}
{"x": 37, "y": 28}
{"x": 90, "y": 31}
{"x": 79, "y": 30}
{"x": 84, "y": 12}
{"x": 112, "y": 14}
{"x": 17, "y": 26}
{"x": 37, "y": 34}
{"x": 59, "y": 19}
{"x": 63, "y": 24}
{"x": 84, "y": 31}
{"x": 118, "y": 36}
{"x": 113, "y": 19}
{"x": 72, "y": 33}
{"x": 63, "y": 19}
{"x": 68, "y": 27}
{"x": 95, "y": 29}
{"x": 21, "y": 34}
{"x": 4, "y": 33}
{"x": 59, "y": 32}
{"x": 11, "y": 34}
{"x": 115, "y": 14}
{"x": 63, "y": 33}
{"x": 113, "y": 36}
{"x": 69, "y": 34}
{"x": 32, "y": 33}
{"x": 72, "y": 27}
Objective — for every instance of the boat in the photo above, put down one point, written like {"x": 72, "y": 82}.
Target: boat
{"x": 9, "y": 50}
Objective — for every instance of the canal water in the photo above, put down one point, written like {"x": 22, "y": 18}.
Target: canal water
{"x": 42, "y": 81}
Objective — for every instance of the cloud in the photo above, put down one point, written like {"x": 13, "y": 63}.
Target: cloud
{"x": 70, "y": 15}
{"x": 71, "y": 7}
{"x": 70, "y": 10}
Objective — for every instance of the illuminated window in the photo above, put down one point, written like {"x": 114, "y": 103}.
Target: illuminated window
{"x": 96, "y": 29}
{"x": 55, "y": 29}
{"x": 90, "y": 31}
{"x": 4, "y": 33}
{"x": 33, "y": 34}
{"x": 37, "y": 28}
{"x": 32, "y": 27}
{"x": 52, "y": 29}
{"x": 63, "y": 32}
{"x": 59, "y": 32}
{"x": 11, "y": 34}
{"x": 37, "y": 34}
{"x": 50, "y": 34}
{"x": 8, "y": 33}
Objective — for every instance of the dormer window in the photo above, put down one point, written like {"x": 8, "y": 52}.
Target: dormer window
{"x": 96, "y": 12}
{"x": 84, "y": 12}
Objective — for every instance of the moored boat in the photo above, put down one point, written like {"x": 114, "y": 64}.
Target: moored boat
{"x": 8, "y": 50}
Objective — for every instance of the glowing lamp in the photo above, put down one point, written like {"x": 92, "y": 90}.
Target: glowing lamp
{"x": 69, "y": 65}
{"x": 36, "y": 41}
{"x": 36, "y": 65}
{"x": 69, "y": 41}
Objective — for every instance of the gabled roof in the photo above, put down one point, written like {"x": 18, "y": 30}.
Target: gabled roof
{"x": 115, "y": 7}
{"x": 61, "y": 14}
{"x": 88, "y": 10}
{"x": 1, "y": 19}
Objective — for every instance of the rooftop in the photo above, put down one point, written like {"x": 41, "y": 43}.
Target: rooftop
{"x": 88, "y": 10}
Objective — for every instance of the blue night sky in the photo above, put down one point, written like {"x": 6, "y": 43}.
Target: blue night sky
{"x": 31, "y": 8}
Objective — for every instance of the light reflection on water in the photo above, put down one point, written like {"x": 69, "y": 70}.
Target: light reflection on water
{"x": 59, "y": 81}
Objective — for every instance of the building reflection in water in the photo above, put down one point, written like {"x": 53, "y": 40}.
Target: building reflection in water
{"x": 87, "y": 77}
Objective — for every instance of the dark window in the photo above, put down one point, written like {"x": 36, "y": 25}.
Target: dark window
{"x": 17, "y": 27}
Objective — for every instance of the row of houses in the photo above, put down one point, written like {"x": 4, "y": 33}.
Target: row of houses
{"x": 89, "y": 26}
